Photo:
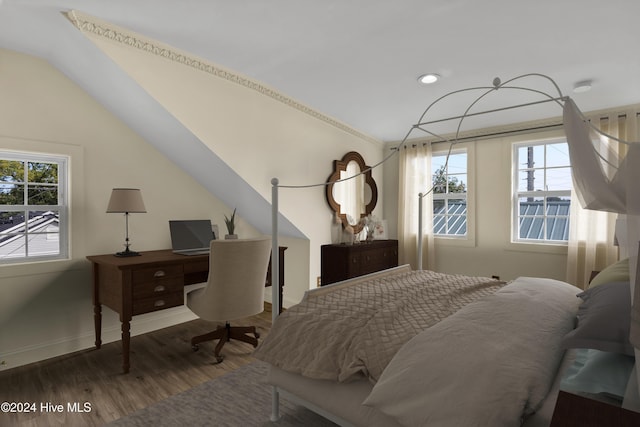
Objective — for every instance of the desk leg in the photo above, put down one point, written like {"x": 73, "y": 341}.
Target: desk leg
{"x": 97, "y": 307}
{"x": 126, "y": 338}
{"x": 97, "y": 320}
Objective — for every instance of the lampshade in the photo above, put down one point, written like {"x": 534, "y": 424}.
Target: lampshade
{"x": 126, "y": 200}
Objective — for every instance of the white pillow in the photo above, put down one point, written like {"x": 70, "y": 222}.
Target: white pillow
{"x": 486, "y": 365}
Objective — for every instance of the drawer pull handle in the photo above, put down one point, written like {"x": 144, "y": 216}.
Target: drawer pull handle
{"x": 159, "y": 273}
{"x": 158, "y": 303}
{"x": 159, "y": 288}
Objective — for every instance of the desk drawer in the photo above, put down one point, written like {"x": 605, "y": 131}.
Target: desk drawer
{"x": 157, "y": 287}
{"x": 158, "y": 302}
{"x": 196, "y": 267}
{"x": 154, "y": 273}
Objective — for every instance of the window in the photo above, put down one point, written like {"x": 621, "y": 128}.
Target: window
{"x": 450, "y": 194}
{"x": 33, "y": 207}
{"x": 542, "y": 192}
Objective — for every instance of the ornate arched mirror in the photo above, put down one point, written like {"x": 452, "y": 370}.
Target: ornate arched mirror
{"x": 354, "y": 198}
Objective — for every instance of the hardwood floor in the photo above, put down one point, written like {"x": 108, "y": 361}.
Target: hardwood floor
{"x": 162, "y": 364}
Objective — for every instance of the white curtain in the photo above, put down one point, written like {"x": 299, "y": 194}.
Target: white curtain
{"x": 612, "y": 189}
{"x": 415, "y": 177}
{"x": 591, "y": 232}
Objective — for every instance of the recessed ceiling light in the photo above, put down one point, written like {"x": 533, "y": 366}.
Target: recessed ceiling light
{"x": 582, "y": 86}
{"x": 427, "y": 79}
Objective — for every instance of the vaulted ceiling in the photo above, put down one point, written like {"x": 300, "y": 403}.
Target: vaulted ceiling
{"x": 358, "y": 61}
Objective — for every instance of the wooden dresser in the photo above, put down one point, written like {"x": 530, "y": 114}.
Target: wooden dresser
{"x": 341, "y": 262}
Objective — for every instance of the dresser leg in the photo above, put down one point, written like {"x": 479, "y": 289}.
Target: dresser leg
{"x": 126, "y": 337}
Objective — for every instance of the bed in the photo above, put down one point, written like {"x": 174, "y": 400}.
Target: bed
{"x": 415, "y": 347}
{"x": 493, "y": 357}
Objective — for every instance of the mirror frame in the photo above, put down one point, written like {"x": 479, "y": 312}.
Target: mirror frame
{"x": 341, "y": 165}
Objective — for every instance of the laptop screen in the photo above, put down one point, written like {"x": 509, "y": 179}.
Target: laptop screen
{"x": 190, "y": 234}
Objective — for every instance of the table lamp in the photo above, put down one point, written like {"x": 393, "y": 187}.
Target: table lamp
{"x": 126, "y": 200}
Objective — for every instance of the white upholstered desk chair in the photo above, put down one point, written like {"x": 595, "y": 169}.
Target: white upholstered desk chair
{"x": 235, "y": 290}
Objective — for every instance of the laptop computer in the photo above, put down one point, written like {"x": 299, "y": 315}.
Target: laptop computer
{"x": 191, "y": 237}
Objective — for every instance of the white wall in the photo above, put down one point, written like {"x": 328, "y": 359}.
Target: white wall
{"x": 259, "y": 134}
{"x": 46, "y": 308}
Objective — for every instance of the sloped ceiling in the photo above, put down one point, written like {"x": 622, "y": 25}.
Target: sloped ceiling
{"x": 358, "y": 60}
{"x": 354, "y": 61}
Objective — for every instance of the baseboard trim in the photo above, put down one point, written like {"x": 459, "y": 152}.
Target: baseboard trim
{"x": 139, "y": 325}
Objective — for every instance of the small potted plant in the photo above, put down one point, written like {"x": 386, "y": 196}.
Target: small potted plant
{"x": 231, "y": 226}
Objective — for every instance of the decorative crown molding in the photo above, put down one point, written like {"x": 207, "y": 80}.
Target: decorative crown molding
{"x": 92, "y": 25}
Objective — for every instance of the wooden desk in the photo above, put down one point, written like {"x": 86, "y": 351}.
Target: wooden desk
{"x": 153, "y": 281}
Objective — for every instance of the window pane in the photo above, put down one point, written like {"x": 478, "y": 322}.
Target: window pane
{"x": 438, "y": 207}
{"x": 559, "y": 179}
{"x": 557, "y": 228}
{"x": 439, "y": 224}
{"x": 531, "y": 157}
{"x": 457, "y": 225}
{"x": 531, "y": 206}
{"x": 437, "y": 162}
{"x": 457, "y": 163}
{"x": 531, "y": 223}
{"x": 11, "y": 171}
{"x": 457, "y": 183}
{"x": 564, "y": 206}
{"x": 12, "y": 234}
{"x": 10, "y": 218}
{"x": 43, "y": 232}
{"x": 558, "y": 155}
{"x": 439, "y": 186}
{"x": 13, "y": 246}
{"x": 457, "y": 206}
{"x": 42, "y": 195}
{"x": 42, "y": 172}
{"x": 531, "y": 180}
{"x": 11, "y": 194}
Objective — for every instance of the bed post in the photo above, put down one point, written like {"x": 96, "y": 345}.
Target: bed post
{"x": 420, "y": 196}
{"x": 275, "y": 288}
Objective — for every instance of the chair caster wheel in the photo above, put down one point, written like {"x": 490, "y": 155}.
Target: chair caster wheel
{"x": 195, "y": 347}
{"x": 219, "y": 359}
{"x": 256, "y": 334}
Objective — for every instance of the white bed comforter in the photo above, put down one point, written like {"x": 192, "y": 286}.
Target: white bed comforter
{"x": 357, "y": 329}
{"x": 490, "y": 364}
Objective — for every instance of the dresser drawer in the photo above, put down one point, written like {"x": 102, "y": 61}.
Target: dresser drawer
{"x": 157, "y": 302}
{"x": 154, "y": 273}
{"x": 157, "y": 287}
{"x": 341, "y": 262}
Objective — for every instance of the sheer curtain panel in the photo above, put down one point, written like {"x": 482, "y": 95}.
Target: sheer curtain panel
{"x": 591, "y": 232}
{"x": 415, "y": 178}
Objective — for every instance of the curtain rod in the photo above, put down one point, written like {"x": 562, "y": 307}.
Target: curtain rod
{"x": 561, "y": 98}
{"x": 485, "y": 135}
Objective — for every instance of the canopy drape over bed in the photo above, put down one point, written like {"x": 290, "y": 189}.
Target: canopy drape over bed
{"x": 606, "y": 177}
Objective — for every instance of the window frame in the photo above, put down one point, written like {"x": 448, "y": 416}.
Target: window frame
{"x": 517, "y": 195}
{"x": 63, "y": 183}
{"x": 467, "y": 240}
{"x": 446, "y": 197}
